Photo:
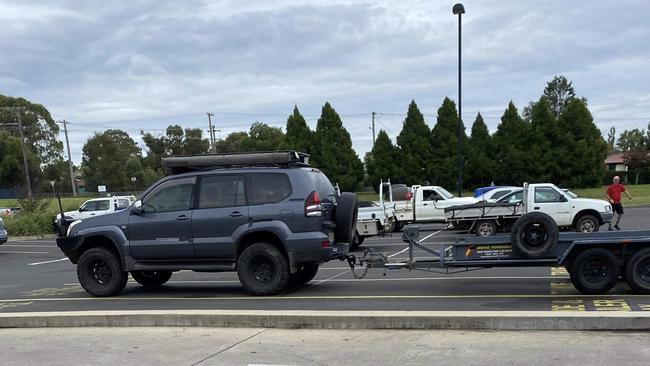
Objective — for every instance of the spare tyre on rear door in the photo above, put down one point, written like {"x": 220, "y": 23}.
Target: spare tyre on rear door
{"x": 345, "y": 217}
{"x": 534, "y": 235}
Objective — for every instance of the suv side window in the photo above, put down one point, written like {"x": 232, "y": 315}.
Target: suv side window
{"x": 268, "y": 188}
{"x": 222, "y": 191}
{"x": 172, "y": 195}
{"x": 547, "y": 195}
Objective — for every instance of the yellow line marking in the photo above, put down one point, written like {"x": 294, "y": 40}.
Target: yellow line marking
{"x": 352, "y": 297}
{"x": 559, "y": 271}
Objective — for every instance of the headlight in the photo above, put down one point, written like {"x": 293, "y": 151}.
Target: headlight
{"x": 71, "y": 226}
{"x": 608, "y": 208}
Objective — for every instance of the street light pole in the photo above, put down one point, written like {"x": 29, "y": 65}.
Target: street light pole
{"x": 212, "y": 147}
{"x": 460, "y": 10}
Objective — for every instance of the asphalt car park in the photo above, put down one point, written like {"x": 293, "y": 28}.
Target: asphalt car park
{"x": 37, "y": 277}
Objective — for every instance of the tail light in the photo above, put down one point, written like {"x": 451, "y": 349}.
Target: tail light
{"x": 313, "y": 207}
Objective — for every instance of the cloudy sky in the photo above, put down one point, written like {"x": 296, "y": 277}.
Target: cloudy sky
{"x": 146, "y": 64}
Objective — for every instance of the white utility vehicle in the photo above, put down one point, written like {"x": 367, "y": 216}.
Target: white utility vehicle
{"x": 376, "y": 218}
{"x": 495, "y": 194}
{"x": 565, "y": 207}
{"x": 98, "y": 207}
{"x": 427, "y": 204}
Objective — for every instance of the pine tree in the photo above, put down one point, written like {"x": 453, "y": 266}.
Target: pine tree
{"x": 332, "y": 151}
{"x": 382, "y": 162}
{"x": 512, "y": 150}
{"x": 549, "y": 145}
{"x": 587, "y": 149}
{"x": 298, "y": 136}
{"x": 443, "y": 167}
{"x": 414, "y": 147}
{"x": 480, "y": 170}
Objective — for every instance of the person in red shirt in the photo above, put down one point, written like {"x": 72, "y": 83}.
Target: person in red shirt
{"x": 613, "y": 194}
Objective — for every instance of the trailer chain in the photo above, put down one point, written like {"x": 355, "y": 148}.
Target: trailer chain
{"x": 369, "y": 255}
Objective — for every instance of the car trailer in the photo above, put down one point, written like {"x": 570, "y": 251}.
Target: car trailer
{"x": 595, "y": 261}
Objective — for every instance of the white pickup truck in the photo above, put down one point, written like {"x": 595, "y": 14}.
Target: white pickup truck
{"x": 98, "y": 207}
{"x": 566, "y": 208}
{"x": 375, "y": 218}
{"x": 427, "y": 204}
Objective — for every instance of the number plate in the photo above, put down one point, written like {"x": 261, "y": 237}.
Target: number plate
{"x": 330, "y": 237}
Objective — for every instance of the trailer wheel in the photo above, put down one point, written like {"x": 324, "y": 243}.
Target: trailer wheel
{"x": 637, "y": 271}
{"x": 534, "y": 234}
{"x": 486, "y": 228}
{"x": 587, "y": 224}
{"x": 594, "y": 271}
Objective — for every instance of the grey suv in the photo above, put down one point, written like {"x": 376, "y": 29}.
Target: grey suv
{"x": 268, "y": 216}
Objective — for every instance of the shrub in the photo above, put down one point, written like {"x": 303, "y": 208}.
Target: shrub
{"x": 30, "y": 223}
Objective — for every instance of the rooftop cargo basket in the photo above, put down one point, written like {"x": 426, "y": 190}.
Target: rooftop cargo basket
{"x": 183, "y": 164}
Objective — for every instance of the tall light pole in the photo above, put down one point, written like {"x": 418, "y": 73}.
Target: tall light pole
{"x": 460, "y": 10}
{"x": 212, "y": 147}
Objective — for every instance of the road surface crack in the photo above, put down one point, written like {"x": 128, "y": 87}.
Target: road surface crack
{"x": 229, "y": 347}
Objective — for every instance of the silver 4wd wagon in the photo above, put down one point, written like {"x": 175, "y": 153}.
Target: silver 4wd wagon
{"x": 269, "y": 216}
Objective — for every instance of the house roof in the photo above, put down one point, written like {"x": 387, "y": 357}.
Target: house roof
{"x": 614, "y": 159}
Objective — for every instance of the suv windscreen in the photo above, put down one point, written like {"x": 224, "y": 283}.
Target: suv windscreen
{"x": 172, "y": 195}
{"x": 265, "y": 188}
{"x": 323, "y": 185}
{"x": 222, "y": 191}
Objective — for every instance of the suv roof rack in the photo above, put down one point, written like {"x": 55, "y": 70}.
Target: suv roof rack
{"x": 183, "y": 164}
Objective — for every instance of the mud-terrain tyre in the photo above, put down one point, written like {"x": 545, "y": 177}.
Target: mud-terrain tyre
{"x": 345, "y": 217}
{"x": 306, "y": 272}
{"x": 486, "y": 228}
{"x": 100, "y": 273}
{"x": 637, "y": 271}
{"x": 151, "y": 278}
{"x": 263, "y": 269}
{"x": 587, "y": 224}
{"x": 534, "y": 235}
{"x": 357, "y": 240}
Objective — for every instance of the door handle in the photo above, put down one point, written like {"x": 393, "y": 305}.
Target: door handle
{"x": 235, "y": 214}
{"x": 182, "y": 218}
{"x": 92, "y": 214}
{"x": 425, "y": 204}
{"x": 536, "y": 208}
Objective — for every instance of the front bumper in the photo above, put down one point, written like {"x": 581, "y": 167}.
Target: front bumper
{"x": 69, "y": 246}
{"x": 606, "y": 217}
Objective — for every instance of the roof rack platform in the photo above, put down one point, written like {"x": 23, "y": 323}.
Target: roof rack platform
{"x": 184, "y": 164}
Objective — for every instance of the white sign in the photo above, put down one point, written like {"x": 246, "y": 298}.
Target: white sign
{"x": 101, "y": 188}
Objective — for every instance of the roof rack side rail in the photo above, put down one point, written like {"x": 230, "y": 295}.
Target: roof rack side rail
{"x": 183, "y": 164}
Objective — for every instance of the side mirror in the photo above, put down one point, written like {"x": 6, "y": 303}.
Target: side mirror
{"x": 137, "y": 208}
{"x": 81, "y": 209}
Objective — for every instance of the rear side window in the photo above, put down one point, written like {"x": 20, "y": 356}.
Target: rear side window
{"x": 222, "y": 191}
{"x": 268, "y": 188}
{"x": 323, "y": 185}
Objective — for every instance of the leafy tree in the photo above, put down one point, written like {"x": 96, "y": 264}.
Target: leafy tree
{"x": 299, "y": 136}
{"x": 194, "y": 143}
{"x": 105, "y": 158}
{"x": 382, "y": 162}
{"x": 558, "y": 93}
{"x": 585, "y": 149}
{"x": 11, "y": 161}
{"x": 637, "y": 161}
{"x": 39, "y": 129}
{"x": 262, "y": 137}
{"x": 175, "y": 141}
{"x": 134, "y": 169}
{"x": 232, "y": 142}
{"x": 480, "y": 170}
{"x": 631, "y": 140}
{"x": 414, "y": 147}
{"x": 333, "y": 153}
{"x": 611, "y": 140}
{"x": 443, "y": 166}
{"x": 512, "y": 148}
{"x": 57, "y": 171}
{"x": 150, "y": 176}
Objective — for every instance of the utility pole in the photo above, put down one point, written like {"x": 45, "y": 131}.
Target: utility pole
{"x": 459, "y": 10}
{"x": 67, "y": 142}
{"x": 212, "y": 147}
{"x": 373, "y": 128}
{"x": 22, "y": 146}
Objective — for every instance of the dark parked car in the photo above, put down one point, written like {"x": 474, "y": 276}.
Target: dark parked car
{"x": 269, "y": 216}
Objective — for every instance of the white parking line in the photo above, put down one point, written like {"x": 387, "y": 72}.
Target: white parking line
{"x": 46, "y": 262}
{"x": 17, "y": 252}
{"x": 29, "y": 246}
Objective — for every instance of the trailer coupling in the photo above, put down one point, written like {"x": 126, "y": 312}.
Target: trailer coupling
{"x": 370, "y": 259}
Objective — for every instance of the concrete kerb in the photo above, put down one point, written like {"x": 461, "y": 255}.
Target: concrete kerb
{"x": 473, "y": 320}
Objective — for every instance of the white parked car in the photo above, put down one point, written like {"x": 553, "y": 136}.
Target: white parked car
{"x": 3, "y": 232}
{"x": 427, "y": 204}
{"x": 98, "y": 207}
{"x": 495, "y": 194}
